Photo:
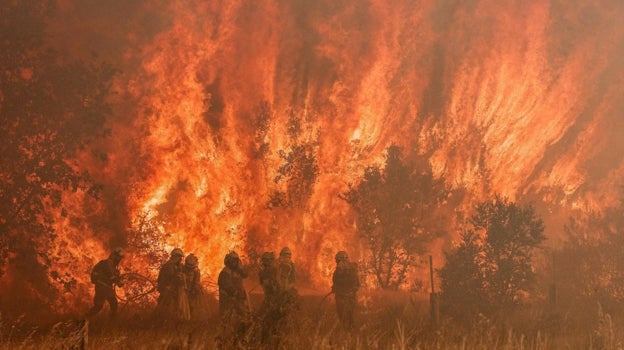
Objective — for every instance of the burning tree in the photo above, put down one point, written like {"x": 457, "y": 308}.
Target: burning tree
{"x": 396, "y": 214}
{"x": 50, "y": 110}
{"x": 491, "y": 268}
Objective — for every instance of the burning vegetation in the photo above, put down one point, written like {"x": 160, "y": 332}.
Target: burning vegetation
{"x": 484, "y": 134}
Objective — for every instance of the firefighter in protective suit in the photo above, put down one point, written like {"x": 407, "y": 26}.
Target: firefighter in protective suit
{"x": 286, "y": 271}
{"x": 232, "y": 295}
{"x": 289, "y": 297}
{"x": 233, "y": 307}
{"x": 172, "y": 299}
{"x": 345, "y": 286}
{"x": 268, "y": 280}
{"x": 105, "y": 275}
{"x": 270, "y": 312}
{"x": 192, "y": 275}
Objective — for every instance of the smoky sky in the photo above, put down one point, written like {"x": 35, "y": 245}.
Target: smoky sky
{"x": 521, "y": 98}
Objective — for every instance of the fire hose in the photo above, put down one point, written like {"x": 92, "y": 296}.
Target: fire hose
{"x": 150, "y": 287}
{"x": 143, "y": 286}
{"x": 325, "y": 297}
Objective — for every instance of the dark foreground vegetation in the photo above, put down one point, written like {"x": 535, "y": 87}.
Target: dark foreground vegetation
{"x": 393, "y": 320}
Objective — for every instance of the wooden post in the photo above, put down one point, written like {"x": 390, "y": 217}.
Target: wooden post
{"x": 433, "y": 299}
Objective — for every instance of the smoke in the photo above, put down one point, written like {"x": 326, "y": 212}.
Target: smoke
{"x": 213, "y": 101}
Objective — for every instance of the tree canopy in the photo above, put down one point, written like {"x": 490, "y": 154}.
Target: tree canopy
{"x": 491, "y": 268}
{"x": 396, "y": 207}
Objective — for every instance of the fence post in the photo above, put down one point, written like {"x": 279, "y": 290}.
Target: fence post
{"x": 434, "y": 299}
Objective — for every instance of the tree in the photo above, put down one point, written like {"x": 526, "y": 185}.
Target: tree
{"x": 493, "y": 261}
{"x": 590, "y": 264}
{"x": 299, "y": 170}
{"x": 462, "y": 278}
{"x": 294, "y": 182}
{"x": 50, "y": 108}
{"x": 395, "y": 211}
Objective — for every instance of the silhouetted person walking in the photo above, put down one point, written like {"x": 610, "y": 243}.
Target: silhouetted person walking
{"x": 173, "y": 300}
{"x": 233, "y": 307}
{"x": 270, "y": 311}
{"x": 192, "y": 274}
{"x": 345, "y": 286}
{"x": 104, "y": 275}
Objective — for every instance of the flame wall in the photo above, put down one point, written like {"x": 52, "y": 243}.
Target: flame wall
{"x": 516, "y": 97}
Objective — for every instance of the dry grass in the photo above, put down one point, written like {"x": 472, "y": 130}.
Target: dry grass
{"x": 391, "y": 321}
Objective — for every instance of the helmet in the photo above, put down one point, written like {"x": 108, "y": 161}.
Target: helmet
{"x": 231, "y": 257}
{"x": 268, "y": 257}
{"x": 118, "y": 253}
{"x": 285, "y": 251}
{"x": 341, "y": 256}
{"x": 191, "y": 260}
{"x": 177, "y": 252}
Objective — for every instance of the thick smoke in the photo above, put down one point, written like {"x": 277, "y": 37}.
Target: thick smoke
{"x": 222, "y": 106}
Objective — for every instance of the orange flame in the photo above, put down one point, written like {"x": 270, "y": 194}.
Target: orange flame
{"x": 512, "y": 98}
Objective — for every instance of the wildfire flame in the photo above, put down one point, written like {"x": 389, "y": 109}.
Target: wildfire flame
{"x": 518, "y": 98}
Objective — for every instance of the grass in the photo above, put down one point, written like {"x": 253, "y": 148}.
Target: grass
{"x": 387, "y": 321}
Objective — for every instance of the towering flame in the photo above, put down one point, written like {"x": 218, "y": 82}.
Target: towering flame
{"x": 222, "y": 105}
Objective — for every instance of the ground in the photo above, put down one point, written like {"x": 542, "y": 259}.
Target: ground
{"x": 385, "y": 320}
